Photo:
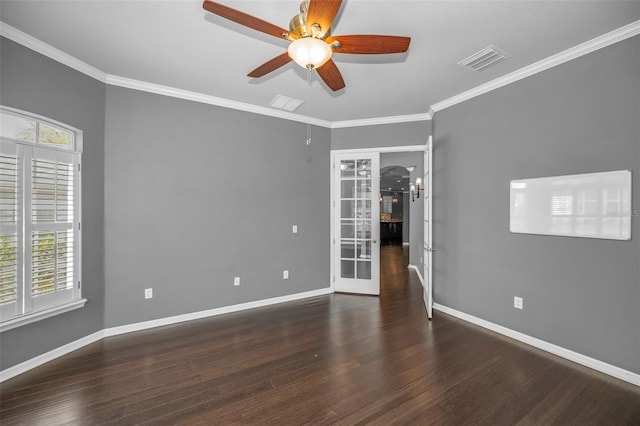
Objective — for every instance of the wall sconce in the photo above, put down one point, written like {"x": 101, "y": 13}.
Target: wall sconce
{"x": 416, "y": 188}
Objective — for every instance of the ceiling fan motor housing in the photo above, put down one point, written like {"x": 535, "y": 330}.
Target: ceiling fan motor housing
{"x": 298, "y": 24}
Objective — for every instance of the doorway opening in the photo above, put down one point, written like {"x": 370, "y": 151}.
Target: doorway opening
{"x": 400, "y": 218}
{"x": 394, "y": 206}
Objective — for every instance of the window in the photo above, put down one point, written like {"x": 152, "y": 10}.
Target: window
{"x": 39, "y": 218}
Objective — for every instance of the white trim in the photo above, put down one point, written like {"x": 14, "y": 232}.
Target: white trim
{"x": 40, "y": 315}
{"x": 32, "y": 363}
{"x": 574, "y": 52}
{"x": 431, "y": 112}
{"x": 405, "y": 148}
{"x": 25, "y": 366}
{"x": 332, "y": 230}
{"x": 403, "y": 243}
{"x": 381, "y": 120}
{"x": 58, "y": 55}
{"x": 592, "y": 45}
{"x": 113, "y": 331}
{"x": 593, "y": 363}
{"x": 49, "y": 51}
{"x": 173, "y": 92}
{"x": 415, "y": 268}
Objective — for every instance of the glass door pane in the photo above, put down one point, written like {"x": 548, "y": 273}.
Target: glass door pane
{"x": 355, "y": 190}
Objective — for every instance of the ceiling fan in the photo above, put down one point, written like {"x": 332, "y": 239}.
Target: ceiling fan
{"x": 311, "y": 43}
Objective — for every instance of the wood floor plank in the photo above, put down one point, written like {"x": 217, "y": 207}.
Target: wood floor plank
{"x": 336, "y": 359}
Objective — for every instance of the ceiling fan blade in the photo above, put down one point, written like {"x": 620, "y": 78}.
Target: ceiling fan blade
{"x": 370, "y": 44}
{"x": 271, "y": 65}
{"x": 331, "y": 75}
{"x": 245, "y": 19}
{"x": 322, "y": 12}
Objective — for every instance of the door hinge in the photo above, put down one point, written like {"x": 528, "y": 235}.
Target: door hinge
{"x": 78, "y": 226}
{"x": 78, "y": 284}
{"x": 334, "y": 278}
{"x": 78, "y": 166}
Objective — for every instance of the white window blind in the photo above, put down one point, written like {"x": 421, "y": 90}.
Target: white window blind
{"x": 40, "y": 217}
{"x": 9, "y": 208}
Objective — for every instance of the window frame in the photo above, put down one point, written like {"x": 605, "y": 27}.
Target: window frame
{"x": 27, "y": 225}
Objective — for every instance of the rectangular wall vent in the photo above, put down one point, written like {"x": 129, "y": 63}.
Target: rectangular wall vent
{"x": 286, "y": 103}
{"x": 488, "y": 56}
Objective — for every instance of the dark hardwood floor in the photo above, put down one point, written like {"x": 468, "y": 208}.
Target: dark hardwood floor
{"x": 338, "y": 359}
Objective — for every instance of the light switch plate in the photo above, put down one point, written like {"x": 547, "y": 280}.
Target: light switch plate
{"x": 148, "y": 293}
{"x": 285, "y": 275}
{"x": 295, "y": 229}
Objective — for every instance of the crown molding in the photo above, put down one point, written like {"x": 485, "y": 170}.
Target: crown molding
{"x": 582, "y": 49}
{"x": 45, "y": 49}
{"x": 58, "y": 55}
{"x": 173, "y": 92}
{"x": 381, "y": 120}
{"x": 49, "y": 51}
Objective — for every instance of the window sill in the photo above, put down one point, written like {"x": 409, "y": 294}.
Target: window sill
{"x": 37, "y": 316}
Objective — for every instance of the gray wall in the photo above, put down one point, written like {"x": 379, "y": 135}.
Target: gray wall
{"x": 416, "y": 209}
{"x": 35, "y": 83}
{"x": 198, "y": 194}
{"x": 397, "y": 134}
{"x": 580, "y": 117}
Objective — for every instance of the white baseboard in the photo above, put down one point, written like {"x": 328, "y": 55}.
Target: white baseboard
{"x": 113, "y": 331}
{"x": 29, "y": 364}
{"x": 415, "y": 268}
{"x": 25, "y": 366}
{"x": 593, "y": 363}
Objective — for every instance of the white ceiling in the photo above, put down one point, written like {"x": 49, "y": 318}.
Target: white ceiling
{"x": 178, "y": 44}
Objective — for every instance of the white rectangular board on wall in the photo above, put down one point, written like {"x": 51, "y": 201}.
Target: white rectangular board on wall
{"x": 592, "y": 205}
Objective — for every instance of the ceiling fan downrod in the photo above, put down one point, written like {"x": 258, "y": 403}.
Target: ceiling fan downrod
{"x": 298, "y": 24}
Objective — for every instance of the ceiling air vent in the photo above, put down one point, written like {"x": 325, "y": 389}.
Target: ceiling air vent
{"x": 482, "y": 59}
{"x": 286, "y": 103}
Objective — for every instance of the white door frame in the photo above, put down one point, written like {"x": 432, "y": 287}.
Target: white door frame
{"x": 333, "y": 152}
{"x": 428, "y": 228}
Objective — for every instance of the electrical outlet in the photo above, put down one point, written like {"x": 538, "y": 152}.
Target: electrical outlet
{"x": 295, "y": 229}
{"x": 148, "y": 293}
{"x": 517, "y": 302}
{"x": 285, "y": 275}
{"x": 236, "y": 281}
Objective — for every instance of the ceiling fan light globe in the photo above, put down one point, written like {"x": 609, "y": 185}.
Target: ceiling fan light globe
{"x": 309, "y": 52}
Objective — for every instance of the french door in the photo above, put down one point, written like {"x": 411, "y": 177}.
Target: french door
{"x": 428, "y": 228}
{"x": 356, "y": 227}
